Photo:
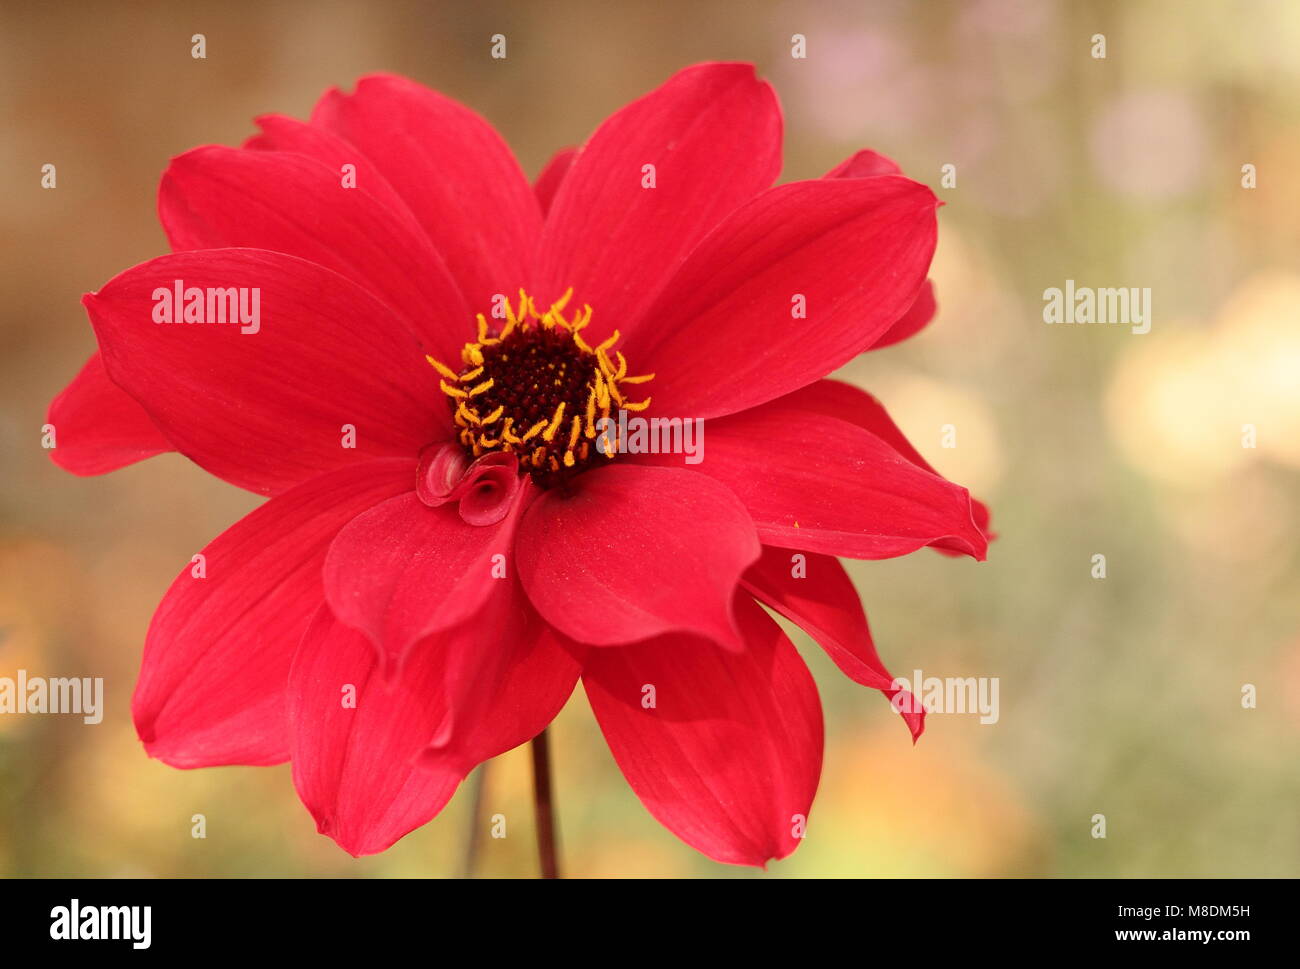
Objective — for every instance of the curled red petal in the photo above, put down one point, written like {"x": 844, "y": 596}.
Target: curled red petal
{"x": 483, "y": 488}
{"x": 439, "y": 473}
{"x": 489, "y": 488}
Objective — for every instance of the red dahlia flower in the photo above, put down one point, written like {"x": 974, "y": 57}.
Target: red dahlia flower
{"x": 444, "y": 541}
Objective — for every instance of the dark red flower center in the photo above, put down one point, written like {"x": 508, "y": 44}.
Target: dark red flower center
{"x": 535, "y": 388}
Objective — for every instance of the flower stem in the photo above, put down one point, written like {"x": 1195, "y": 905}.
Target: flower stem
{"x": 547, "y": 849}
{"x": 474, "y": 840}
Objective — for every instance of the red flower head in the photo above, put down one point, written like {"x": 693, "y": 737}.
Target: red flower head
{"x": 458, "y": 527}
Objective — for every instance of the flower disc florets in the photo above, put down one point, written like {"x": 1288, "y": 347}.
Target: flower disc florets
{"x": 538, "y": 390}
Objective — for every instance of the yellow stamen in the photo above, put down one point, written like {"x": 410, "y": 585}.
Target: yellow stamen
{"x": 559, "y": 305}
{"x": 605, "y": 365}
{"x": 442, "y": 368}
{"x": 548, "y": 435}
{"x": 613, "y": 338}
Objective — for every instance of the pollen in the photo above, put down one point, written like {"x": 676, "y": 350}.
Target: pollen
{"x": 534, "y": 387}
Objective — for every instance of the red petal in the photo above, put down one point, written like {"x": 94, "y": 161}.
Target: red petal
{"x": 980, "y": 512}
{"x": 865, "y": 164}
{"x": 98, "y": 427}
{"x": 506, "y": 674}
{"x": 217, "y": 657}
{"x": 355, "y": 765}
{"x": 846, "y": 402}
{"x": 869, "y": 164}
{"x": 454, "y": 171}
{"x": 713, "y": 133}
{"x": 267, "y": 410}
{"x": 217, "y": 198}
{"x": 280, "y": 133}
{"x": 913, "y": 321}
{"x": 636, "y": 552}
{"x": 548, "y": 181}
{"x": 823, "y": 603}
{"x": 855, "y": 249}
{"x": 367, "y": 773}
{"x": 404, "y": 570}
{"x": 822, "y": 484}
{"x": 729, "y": 757}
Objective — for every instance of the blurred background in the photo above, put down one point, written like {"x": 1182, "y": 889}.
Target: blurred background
{"x": 1119, "y": 696}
